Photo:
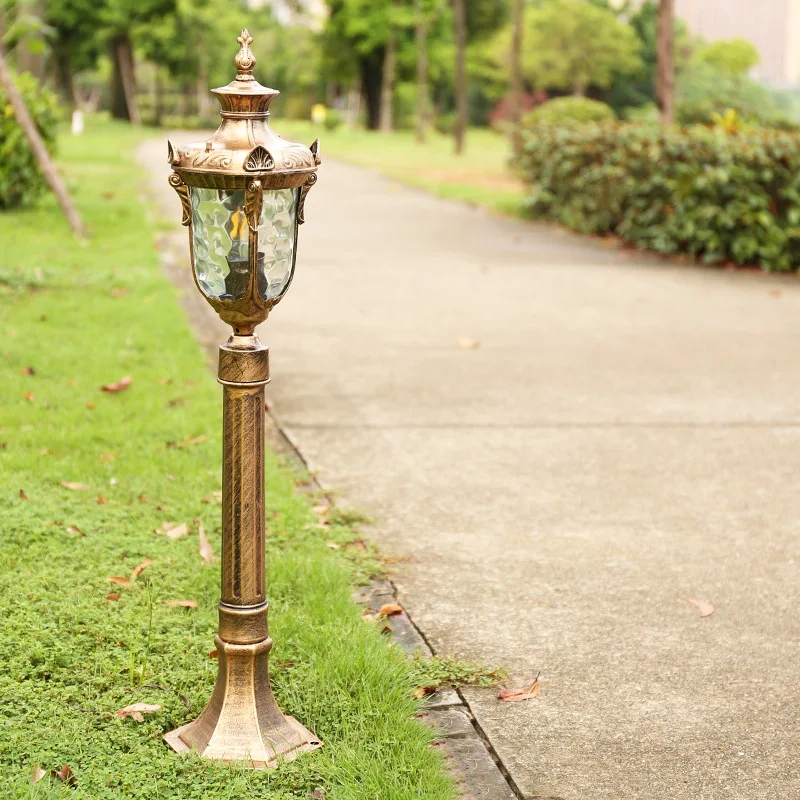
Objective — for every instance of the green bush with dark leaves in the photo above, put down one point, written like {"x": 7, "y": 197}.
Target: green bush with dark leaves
{"x": 21, "y": 180}
{"x": 702, "y": 191}
{"x": 568, "y": 109}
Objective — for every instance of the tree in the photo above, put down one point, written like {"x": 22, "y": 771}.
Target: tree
{"x": 665, "y": 68}
{"x": 460, "y": 30}
{"x": 39, "y": 149}
{"x": 733, "y": 56}
{"x": 515, "y": 93}
{"x": 573, "y": 44}
{"x": 421, "y": 29}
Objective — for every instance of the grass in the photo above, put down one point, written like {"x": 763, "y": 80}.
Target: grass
{"x": 76, "y": 318}
{"x": 481, "y": 176}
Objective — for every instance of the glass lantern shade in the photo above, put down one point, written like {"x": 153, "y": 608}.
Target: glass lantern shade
{"x": 221, "y": 242}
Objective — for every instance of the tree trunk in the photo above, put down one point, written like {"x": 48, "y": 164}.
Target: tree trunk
{"x": 665, "y": 69}
{"x": 515, "y": 95}
{"x": 387, "y": 83}
{"x": 422, "y": 70}
{"x": 371, "y": 81}
{"x": 39, "y": 150}
{"x": 123, "y": 81}
{"x": 461, "y": 74}
{"x": 64, "y": 74}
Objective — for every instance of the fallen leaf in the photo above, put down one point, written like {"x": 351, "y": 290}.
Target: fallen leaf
{"x": 424, "y": 691}
{"x": 317, "y": 794}
{"x": 122, "y": 581}
{"x": 705, "y": 609}
{"x": 22, "y": 495}
{"x": 465, "y": 343}
{"x": 107, "y": 457}
{"x": 75, "y": 487}
{"x": 64, "y": 775}
{"x": 118, "y": 386}
{"x": 390, "y": 609}
{"x": 334, "y": 546}
{"x": 173, "y": 530}
{"x": 206, "y": 551}
{"x": 90, "y": 405}
{"x": 140, "y": 568}
{"x": 28, "y": 371}
{"x": 46, "y": 452}
{"x": 176, "y": 401}
{"x": 29, "y": 396}
{"x": 187, "y": 442}
{"x": 37, "y": 774}
{"x": 182, "y": 603}
{"x": 101, "y": 501}
{"x": 136, "y": 711}
{"x": 515, "y": 695}
{"x": 113, "y": 596}
{"x": 213, "y": 654}
{"x": 143, "y": 498}
{"x": 320, "y": 510}
{"x": 75, "y": 529}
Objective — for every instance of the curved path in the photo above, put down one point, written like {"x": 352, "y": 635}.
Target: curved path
{"x": 625, "y": 437}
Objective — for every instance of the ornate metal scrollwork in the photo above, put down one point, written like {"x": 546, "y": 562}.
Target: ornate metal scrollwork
{"x": 253, "y": 201}
{"x": 259, "y": 159}
{"x": 176, "y": 182}
{"x": 304, "y": 190}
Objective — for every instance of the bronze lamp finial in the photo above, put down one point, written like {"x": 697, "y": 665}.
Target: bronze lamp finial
{"x": 245, "y": 60}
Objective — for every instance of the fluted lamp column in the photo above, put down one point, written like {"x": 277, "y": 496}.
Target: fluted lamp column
{"x": 242, "y": 193}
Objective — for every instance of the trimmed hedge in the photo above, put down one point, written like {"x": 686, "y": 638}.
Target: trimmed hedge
{"x": 21, "y": 180}
{"x": 714, "y": 195}
{"x": 568, "y": 109}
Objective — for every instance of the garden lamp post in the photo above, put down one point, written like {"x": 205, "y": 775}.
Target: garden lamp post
{"x": 242, "y": 193}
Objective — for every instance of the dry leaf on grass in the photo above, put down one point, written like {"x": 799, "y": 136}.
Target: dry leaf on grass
{"x": 118, "y": 386}
{"x": 465, "y": 343}
{"x": 705, "y": 609}
{"x": 74, "y": 487}
{"x": 75, "y": 529}
{"x": 28, "y": 371}
{"x": 213, "y": 654}
{"x": 173, "y": 530}
{"x": 113, "y": 596}
{"x": 120, "y": 579}
{"x": 137, "y": 710}
{"x": 29, "y": 396}
{"x": 22, "y": 495}
{"x": 101, "y": 501}
{"x": 64, "y": 775}
{"x": 140, "y": 568}
{"x": 37, "y": 774}
{"x": 390, "y": 610}
{"x": 187, "y": 442}
{"x": 515, "y": 695}
{"x": 206, "y": 551}
{"x": 182, "y": 603}
{"x": 423, "y": 691}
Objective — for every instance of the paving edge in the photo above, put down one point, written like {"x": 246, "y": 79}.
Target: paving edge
{"x": 469, "y": 753}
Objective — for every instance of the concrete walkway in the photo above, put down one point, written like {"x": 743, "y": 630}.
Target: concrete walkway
{"x": 625, "y": 437}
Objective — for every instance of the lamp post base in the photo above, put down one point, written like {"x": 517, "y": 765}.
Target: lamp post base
{"x": 242, "y": 722}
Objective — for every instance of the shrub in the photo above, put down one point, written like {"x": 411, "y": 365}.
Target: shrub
{"x": 700, "y": 191}
{"x": 446, "y": 123}
{"x": 333, "y": 119}
{"x": 21, "y": 180}
{"x": 568, "y": 109}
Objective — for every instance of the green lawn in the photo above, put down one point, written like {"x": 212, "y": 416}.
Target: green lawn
{"x": 480, "y": 176}
{"x": 73, "y": 319}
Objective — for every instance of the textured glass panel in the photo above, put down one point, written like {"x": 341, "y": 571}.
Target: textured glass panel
{"x": 277, "y": 233}
{"x": 220, "y": 240}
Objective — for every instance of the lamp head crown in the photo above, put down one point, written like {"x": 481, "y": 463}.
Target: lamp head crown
{"x": 245, "y": 60}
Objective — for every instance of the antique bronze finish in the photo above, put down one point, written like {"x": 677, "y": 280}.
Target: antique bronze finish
{"x": 242, "y": 721}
